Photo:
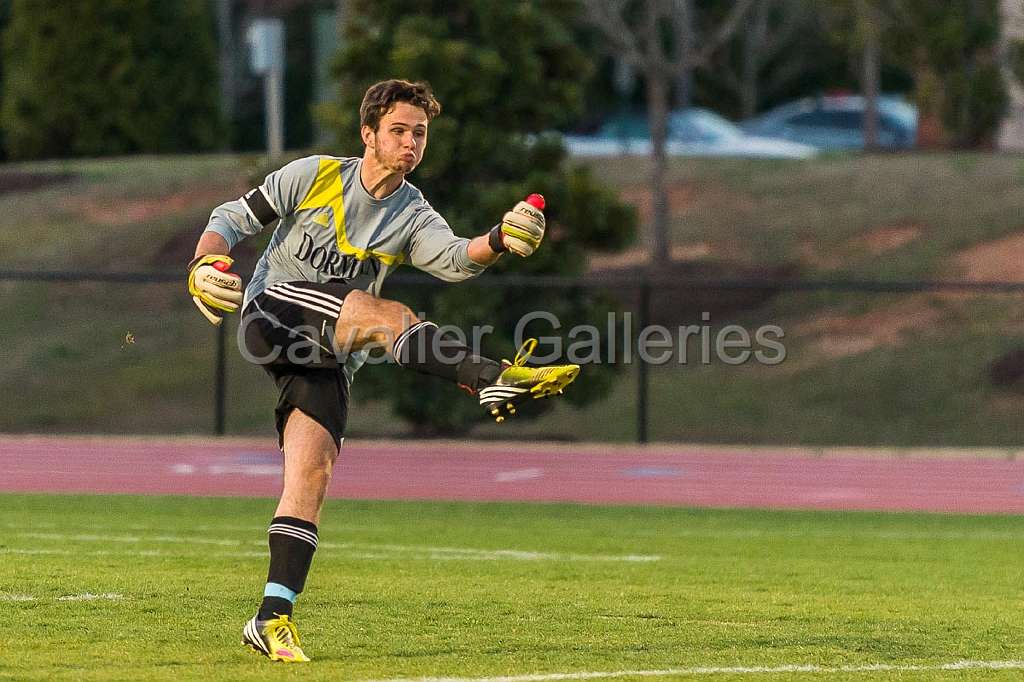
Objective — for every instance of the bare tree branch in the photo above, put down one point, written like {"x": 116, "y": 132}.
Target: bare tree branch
{"x": 655, "y": 53}
{"x": 793, "y": 16}
{"x": 682, "y": 20}
{"x": 607, "y": 17}
{"x": 729, "y": 75}
{"x": 783, "y": 73}
{"x": 767, "y": 33}
{"x": 725, "y": 30}
{"x": 660, "y": 58}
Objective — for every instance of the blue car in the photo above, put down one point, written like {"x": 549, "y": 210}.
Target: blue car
{"x": 837, "y": 122}
{"x": 691, "y": 132}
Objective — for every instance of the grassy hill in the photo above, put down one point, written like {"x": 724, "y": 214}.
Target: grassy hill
{"x": 860, "y": 368}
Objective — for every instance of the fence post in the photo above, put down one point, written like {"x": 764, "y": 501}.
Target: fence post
{"x": 641, "y": 368}
{"x": 220, "y": 380}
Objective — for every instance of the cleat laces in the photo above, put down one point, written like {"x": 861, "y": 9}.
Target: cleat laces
{"x": 286, "y": 631}
{"x": 524, "y": 353}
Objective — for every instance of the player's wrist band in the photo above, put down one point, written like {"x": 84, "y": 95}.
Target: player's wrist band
{"x": 495, "y": 241}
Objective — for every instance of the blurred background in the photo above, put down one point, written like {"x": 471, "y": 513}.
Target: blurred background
{"x": 847, "y": 171}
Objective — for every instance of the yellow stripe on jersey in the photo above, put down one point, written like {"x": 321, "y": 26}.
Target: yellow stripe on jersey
{"x": 327, "y": 192}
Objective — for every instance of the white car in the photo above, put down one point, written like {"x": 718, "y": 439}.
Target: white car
{"x": 691, "y": 132}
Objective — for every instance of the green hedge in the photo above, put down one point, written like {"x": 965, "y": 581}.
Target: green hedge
{"x": 97, "y": 77}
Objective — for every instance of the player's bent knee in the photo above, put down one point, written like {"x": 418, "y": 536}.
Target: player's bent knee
{"x": 402, "y": 317}
{"x": 369, "y": 321}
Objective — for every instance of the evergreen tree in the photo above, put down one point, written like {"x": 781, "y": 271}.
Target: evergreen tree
{"x": 505, "y": 73}
{"x": 94, "y": 77}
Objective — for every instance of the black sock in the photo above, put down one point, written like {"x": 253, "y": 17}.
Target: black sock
{"x": 422, "y": 348}
{"x": 292, "y": 543}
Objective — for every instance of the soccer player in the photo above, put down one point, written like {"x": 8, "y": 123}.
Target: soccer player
{"x": 312, "y": 312}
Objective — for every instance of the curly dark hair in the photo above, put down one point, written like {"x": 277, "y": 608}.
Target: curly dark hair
{"x": 381, "y": 98}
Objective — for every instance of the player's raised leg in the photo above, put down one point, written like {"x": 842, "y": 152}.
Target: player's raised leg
{"x": 419, "y": 345}
{"x": 309, "y": 455}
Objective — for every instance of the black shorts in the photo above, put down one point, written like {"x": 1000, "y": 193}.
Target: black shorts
{"x": 288, "y": 330}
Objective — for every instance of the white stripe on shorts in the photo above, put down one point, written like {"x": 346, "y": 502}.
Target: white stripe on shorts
{"x": 305, "y": 304}
{"x": 309, "y": 295}
{"x": 329, "y": 299}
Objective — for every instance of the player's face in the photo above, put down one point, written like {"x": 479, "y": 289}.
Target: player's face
{"x": 400, "y": 139}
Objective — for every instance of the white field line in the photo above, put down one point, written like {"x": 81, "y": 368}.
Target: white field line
{"x": 360, "y": 550}
{"x": 30, "y": 551}
{"x": 738, "y": 670}
{"x": 498, "y": 554}
{"x": 84, "y": 596}
{"x": 842, "y": 533}
{"x": 132, "y": 539}
{"x": 89, "y": 596}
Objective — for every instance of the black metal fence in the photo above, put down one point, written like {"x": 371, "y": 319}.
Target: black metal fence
{"x": 988, "y": 315}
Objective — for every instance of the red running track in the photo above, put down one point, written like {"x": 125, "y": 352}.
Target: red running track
{"x": 684, "y": 475}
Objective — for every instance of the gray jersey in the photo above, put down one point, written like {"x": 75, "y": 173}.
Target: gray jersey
{"x": 331, "y": 229}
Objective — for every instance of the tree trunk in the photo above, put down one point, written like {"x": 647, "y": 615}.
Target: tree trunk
{"x": 931, "y": 132}
{"x": 657, "y": 116}
{"x": 870, "y": 78}
{"x": 684, "y": 81}
{"x": 684, "y": 89}
{"x": 1011, "y": 132}
{"x": 755, "y": 32}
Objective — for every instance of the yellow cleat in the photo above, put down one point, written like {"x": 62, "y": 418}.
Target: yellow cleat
{"x": 517, "y": 382}
{"x": 277, "y": 639}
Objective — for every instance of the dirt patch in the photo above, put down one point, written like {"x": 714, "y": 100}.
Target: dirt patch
{"x": 875, "y": 242}
{"x": 680, "y": 198}
{"x": 809, "y": 253}
{"x": 638, "y": 257}
{"x": 1009, "y": 405}
{"x": 28, "y": 182}
{"x": 841, "y": 336}
{"x": 685, "y": 196}
{"x": 119, "y": 211}
{"x": 1000, "y": 260}
{"x": 888, "y": 238}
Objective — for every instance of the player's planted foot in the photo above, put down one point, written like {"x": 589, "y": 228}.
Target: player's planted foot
{"x": 277, "y": 639}
{"x": 517, "y": 383}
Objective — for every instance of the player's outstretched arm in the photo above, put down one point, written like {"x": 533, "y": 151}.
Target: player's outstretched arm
{"x": 212, "y": 287}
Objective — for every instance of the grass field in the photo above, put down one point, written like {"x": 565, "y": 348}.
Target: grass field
{"x": 138, "y": 588}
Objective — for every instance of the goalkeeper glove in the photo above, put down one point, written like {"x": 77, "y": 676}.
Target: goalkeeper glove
{"x": 213, "y": 287}
{"x": 521, "y": 229}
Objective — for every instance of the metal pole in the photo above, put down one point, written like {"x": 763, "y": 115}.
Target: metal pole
{"x": 274, "y": 111}
{"x": 641, "y": 368}
{"x": 220, "y": 381}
